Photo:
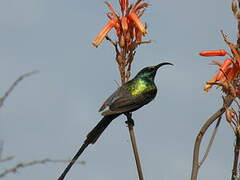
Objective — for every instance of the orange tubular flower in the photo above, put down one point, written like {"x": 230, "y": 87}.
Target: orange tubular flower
{"x": 220, "y": 52}
{"x": 232, "y": 74}
{"x": 138, "y": 35}
{"x": 99, "y": 38}
{"x": 224, "y": 67}
{"x": 124, "y": 5}
{"x": 224, "y": 74}
{"x": 207, "y": 87}
{"x": 132, "y": 16}
{"x": 124, "y": 23}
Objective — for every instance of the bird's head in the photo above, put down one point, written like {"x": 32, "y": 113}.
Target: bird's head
{"x": 150, "y": 72}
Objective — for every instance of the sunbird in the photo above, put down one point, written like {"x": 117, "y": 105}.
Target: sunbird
{"x": 129, "y": 97}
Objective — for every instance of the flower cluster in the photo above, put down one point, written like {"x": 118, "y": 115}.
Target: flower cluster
{"x": 228, "y": 74}
{"x": 129, "y": 30}
{"x": 128, "y": 26}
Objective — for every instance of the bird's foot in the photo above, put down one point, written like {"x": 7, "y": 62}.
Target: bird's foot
{"x": 130, "y": 121}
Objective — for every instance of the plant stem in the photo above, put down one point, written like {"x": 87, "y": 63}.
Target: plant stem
{"x": 195, "y": 165}
{"x": 236, "y": 157}
{"x": 130, "y": 123}
{"x": 211, "y": 141}
{"x": 15, "y": 83}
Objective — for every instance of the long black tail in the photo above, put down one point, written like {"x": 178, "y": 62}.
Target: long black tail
{"x": 96, "y": 132}
{"x": 74, "y": 159}
{"x": 92, "y": 137}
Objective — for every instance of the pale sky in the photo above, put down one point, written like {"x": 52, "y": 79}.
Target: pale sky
{"x": 49, "y": 114}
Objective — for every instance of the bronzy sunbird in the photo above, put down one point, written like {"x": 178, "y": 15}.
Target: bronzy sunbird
{"x": 129, "y": 97}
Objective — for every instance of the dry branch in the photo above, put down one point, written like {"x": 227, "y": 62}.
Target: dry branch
{"x": 34, "y": 162}
{"x": 211, "y": 141}
{"x": 196, "y": 164}
{"x": 15, "y": 83}
{"x": 6, "y": 159}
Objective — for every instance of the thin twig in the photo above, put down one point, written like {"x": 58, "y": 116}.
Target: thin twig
{"x": 1, "y": 148}
{"x": 233, "y": 47}
{"x": 113, "y": 43}
{"x": 3, "y": 98}
{"x": 6, "y": 159}
{"x": 211, "y": 141}
{"x": 195, "y": 165}
{"x": 130, "y": 123}
{"x": 34, "y": 162}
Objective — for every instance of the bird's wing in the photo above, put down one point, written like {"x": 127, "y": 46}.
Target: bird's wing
{"x": 126, "y": 102}
{"x": 111, "y": 98}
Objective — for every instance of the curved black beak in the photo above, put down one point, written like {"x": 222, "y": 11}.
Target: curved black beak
{"x": 162, "y": 64}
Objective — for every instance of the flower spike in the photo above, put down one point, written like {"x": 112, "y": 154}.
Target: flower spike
{"x": 125, "y": 25}
{"x": 229, "y": 71}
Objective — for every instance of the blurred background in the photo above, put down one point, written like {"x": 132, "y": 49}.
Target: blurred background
{"x": 48, "y": 114}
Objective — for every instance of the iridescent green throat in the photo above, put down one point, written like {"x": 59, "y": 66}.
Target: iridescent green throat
{"x": 139, "y": 86}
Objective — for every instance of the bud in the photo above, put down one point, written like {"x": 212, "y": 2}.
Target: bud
{"x": 124, "y": 23}
{"x": 234, "y": 7}
{"x": 229, "y": 115}
{"x": 220, "y": 52}
{"x": 238, "y": 15}
{"x": 119, "y": 59}
{"x": 122, "y": 41}
{"x": 138, "y": 36}
{"x": 207, "y": 87}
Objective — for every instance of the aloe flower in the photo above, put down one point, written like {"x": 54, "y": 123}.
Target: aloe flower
{"x": 228, "y": 73}
{"x": 128, "y": 26}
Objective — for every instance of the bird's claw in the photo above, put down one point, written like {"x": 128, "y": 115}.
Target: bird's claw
{"x": 130, "y": 121}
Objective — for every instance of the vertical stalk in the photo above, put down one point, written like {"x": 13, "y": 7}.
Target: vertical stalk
{"x": 130, "y": 123}
{"x": 236, "y": 157}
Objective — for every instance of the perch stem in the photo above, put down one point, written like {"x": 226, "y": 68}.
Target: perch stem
{"x": 130, "y": 123}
